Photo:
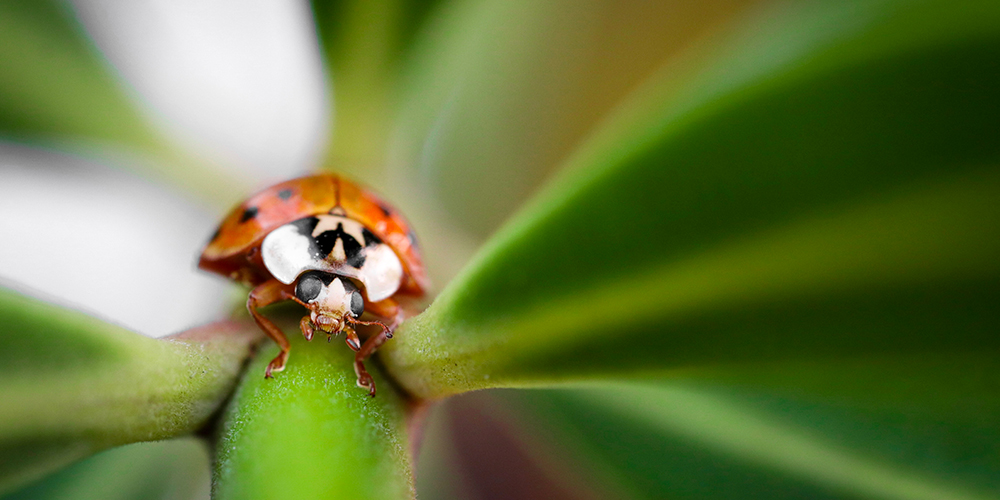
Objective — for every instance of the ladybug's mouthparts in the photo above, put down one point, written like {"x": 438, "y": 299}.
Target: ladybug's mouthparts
{"x": 327, "y": 323}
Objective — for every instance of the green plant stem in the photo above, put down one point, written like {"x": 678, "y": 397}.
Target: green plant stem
{"x": 310, "y": 432}
{"x": 74, "y": 385}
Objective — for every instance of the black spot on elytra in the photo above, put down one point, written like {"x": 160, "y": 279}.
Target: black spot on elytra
{"x": 385, "y": 210}
{"x": 370, "y": 239}
{"x": 248, "y": 214}
{"x": 285, "y": 194}
{"x": 215, "y": 235}
{"x": 326, "y": 240}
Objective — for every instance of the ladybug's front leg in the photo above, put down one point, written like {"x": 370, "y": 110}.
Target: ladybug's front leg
{"x": 263, "y": 295}
{"x": 306, "y": 325}
{"x": 387, "y": 308}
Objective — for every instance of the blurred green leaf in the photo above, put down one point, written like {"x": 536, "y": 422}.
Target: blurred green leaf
{"x": 827, "y": 189}
{"x": 167, "y": 470}
{"x": 74, "y": 385}
{"x": 498, "y": 92}
{"x": 54, "y": 84}
{"x": 683, "y": 440}
{"x": 364, "y": 42}
{"x": 494, "y": 93}
{"x": 310, "y": 432}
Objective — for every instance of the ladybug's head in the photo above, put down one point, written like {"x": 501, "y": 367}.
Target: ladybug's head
{"x": 332, "y": 300}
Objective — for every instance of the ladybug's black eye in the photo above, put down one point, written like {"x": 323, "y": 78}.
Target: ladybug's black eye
{"x": 308, "y": 287}
{"x": 357, "y": 304}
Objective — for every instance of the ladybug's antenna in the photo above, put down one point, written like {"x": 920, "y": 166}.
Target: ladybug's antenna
{"x": 388, "y": 332}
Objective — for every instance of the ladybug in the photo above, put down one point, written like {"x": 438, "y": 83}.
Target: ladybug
{"x": 329, "y": 244}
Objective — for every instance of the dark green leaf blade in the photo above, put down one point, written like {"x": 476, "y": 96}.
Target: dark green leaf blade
{"x": 695, "y": 440}
{"x": 832, "y": 198}
{"x": 54, "y": 85}
{"x": 497, "y": 93}
{"x": 168, "y": 470}
{"x": 493, "y": 94}
{"x": 310, "y": 432}
{"x": 74, "y": 385}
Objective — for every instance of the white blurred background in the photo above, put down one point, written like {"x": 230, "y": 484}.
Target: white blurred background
{"x": 239, "y": 81}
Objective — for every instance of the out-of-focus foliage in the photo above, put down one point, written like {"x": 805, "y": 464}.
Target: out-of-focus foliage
{"x": 498, "y": 93}
{"x": 73, "y": 385}
{"x": 54, "y": 85}
{"x": 365, "y": 43}
{"x": 832, "y": 200}
{"x": 698, "y": 440}
{"x": 765, "y": 262}
{"x": 167, "y": 470}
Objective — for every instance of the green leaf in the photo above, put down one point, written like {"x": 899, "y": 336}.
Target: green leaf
{"x": 498, "y": 92}
{"x": 492, "y": 94}
{"x": 55, "y": 85}
{"x": 167, "y": 470}
{"x": 826, "y": 189}
{"x": 74, "y": 385}
{"x": 697, "y": 440}
{"x": 310, "y": 432}
{"x": 364, "y": 42}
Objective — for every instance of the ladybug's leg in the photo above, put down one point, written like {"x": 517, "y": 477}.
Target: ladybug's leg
{"x": 391, "y": 310}
{"x": 266, "y": 294}
{"x": 352, "y": 339}
{"x": 306, "y": 326}
{"x": 388, "y": 309}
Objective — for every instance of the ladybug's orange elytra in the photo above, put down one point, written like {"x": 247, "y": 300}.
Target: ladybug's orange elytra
{"x": 328, "y": 244}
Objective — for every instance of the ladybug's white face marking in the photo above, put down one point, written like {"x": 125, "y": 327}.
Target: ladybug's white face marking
{"x": 382, "y": 272}
{"x": 334, "y": 298}
{"x": 286, "y": 252}
{"x": 334, "y": 244}
{"x": 338, "y": 254}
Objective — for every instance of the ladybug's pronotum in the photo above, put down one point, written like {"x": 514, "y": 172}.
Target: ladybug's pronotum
{"x": 330, "y": 245}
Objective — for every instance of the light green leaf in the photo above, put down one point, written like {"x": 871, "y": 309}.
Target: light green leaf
{"x": 364, "y": 42}
{"x": 310, "y": 432}
{"x": 498, "y": 92}
{"x": 73, "y": 385}
{"x": 696, "y": 440}
{"x": 166, "y": 470}
{"x": 826, "y": 189}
